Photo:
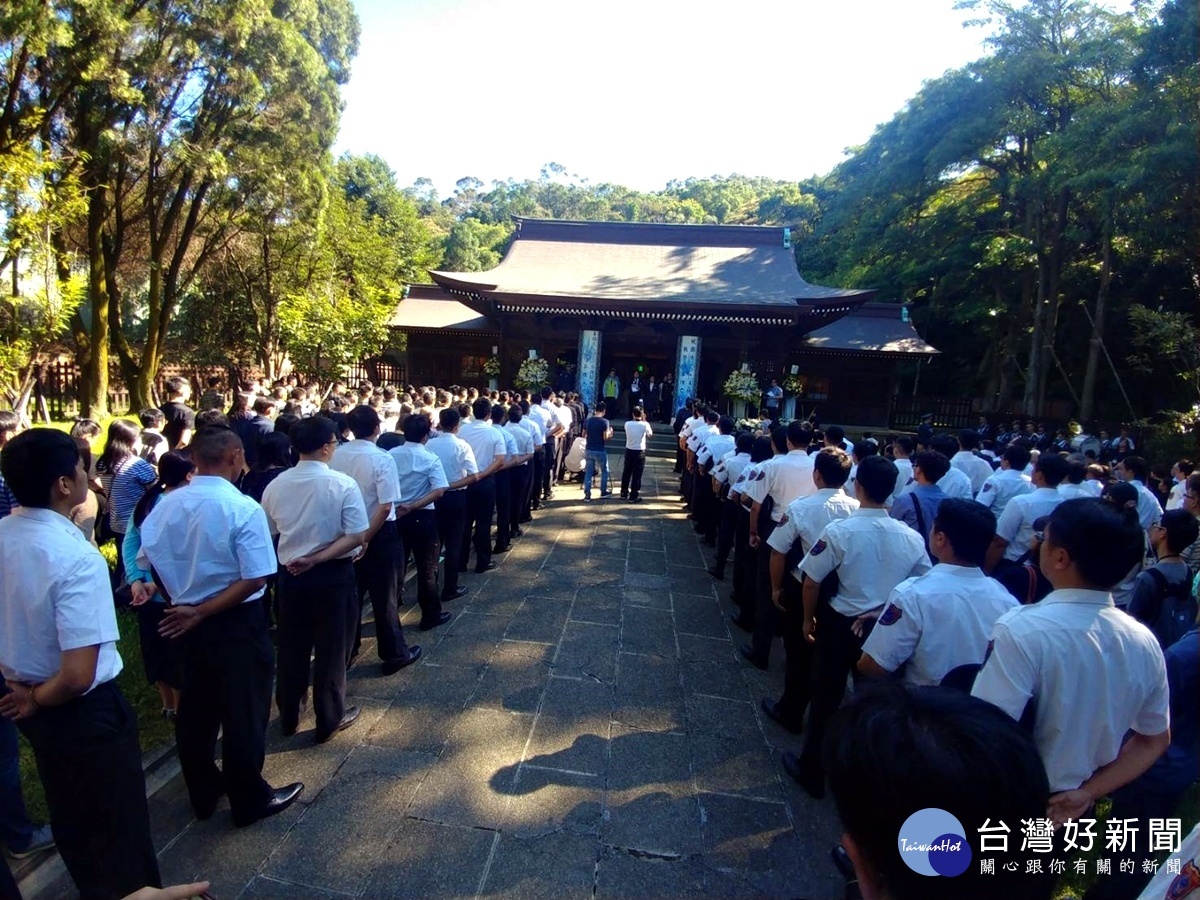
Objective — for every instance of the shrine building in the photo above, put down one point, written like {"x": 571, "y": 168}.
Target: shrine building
{"x": 696, "y": 301}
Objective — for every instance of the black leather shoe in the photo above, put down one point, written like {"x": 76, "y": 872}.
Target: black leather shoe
{"x": 392, "y": 666}
{"x": 288, "y": 728}
{"x": 455, "y": 594}
{"x": 813, "y": 784}
{"x": 442, "y": 619}
{"x": 741, "y": 623}
{"x": 749, "y": 655}
{"x": 281, "y": 799}
{"x": 517, "y": 532}
{"x": 716, "y": 573}
{"x": 479, "y": 570}
{"x": 501, "y": 548}
{"x": 349, "y": 717}
{"x": 771, "y": 708}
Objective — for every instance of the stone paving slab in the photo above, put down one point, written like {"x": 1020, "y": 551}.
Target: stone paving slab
{"x": 583, "y": 728}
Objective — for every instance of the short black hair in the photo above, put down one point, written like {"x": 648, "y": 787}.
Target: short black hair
{"x": 1104, "y": 540}
{"x": 711, "y": 416}
{"x": 1137, "y": 467}
{"x": 263, "y": 405}
{"x": 515, "y": 413}
{"x": 835, "y": 434}
{"x": 285, "y": 422}
{"x": 905, "y": 443}
{"x": 725, "y": 424}
{"x": 448, "y": 419}
{"x": 416, "y": 427}
{"x": 1076, "y": 471}
{"x": 970, "y": 528}
{"x": 481, "y": 409}
{"x": 1053, "y": 468}
{"x": 877, "y": 475}
{"x": 893, "y": 749}
{"x": 833, "y": 464}
{"x": 1018, "y": 456}
{"x": 968, "y": 439}
{"x": 863, "y": 449}
{"x": 1182, "y": 529}
{"x": 388, "y": 440}
{"x": 933, "y": 464}
{"x": 798, "y": 435}
{"x": 362, "y": 420}
{"x": 151, "y": 417}
{"x": 743, "y": 441}
{"x": 499, "y": 414}
{"x": 275, "y": 449}
{"x": 313, "y": 433}
{"x": 944, "y": 444}
{"x": 210, "y": 445}
{"x": 779, "y": 439}
{"x": 547, "y": 392}
{"x": 760, "y": 450}
{"x": 33, "y": 460}
{"x": 176, "y": 385}
{"x": 600, "y": 406}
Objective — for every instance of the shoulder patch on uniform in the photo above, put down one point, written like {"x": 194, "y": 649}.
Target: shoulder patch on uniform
{"x": 987, "y": 486}
{"x": 760, "y": 475}
{"x": 818, "y": 548}
{"x": 784, "y": 519}
{"x": 891, "y": 615}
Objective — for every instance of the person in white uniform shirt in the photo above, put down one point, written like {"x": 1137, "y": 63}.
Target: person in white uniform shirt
{"x": 552, "y": 426}
{"x": 706, "y": 510}
{"x": 724, "y": 475}
{"x": 322, "y": 524}
{"x": 955, "y": 483}
{"x": 637, "y": 430}
{"x": 377, "y": 573}
{"x": 1008, "y": 481}
{"x": 522, "y": 472}
{"x": 1015, "y": 528}
{"x": 974, "y": 467}
{"x": 902, "y": 451}
{"x": 533, "y": 493}
{"x": 1134, "y": 470}
{"x": 1096, "y": 675}
{"x": 461, "y": 471}
{"x": 487, "y": 443}
{"x": 1179, "y": 475}
{"x": 941, "y": 620}
{"x": 784, "y": 479}
{"x": 211, "y": 553}
{"x": 422, "y": 485}
{"x": 800, "y": 528}
{"x": 871, "y": 554}
{"x": 59, "y": 657}
{"x": 1072, "y": 487}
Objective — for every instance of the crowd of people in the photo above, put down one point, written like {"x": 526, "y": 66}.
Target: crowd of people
{"x": 1019, "y": 619}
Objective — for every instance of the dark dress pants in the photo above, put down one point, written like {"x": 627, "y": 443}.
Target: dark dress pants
{"x": 518, "y": 495}
{"x": 745, "y": 563}
{"x": 90, "y": 765}
{"x": 451, "y": 514}
{"x": 550, "y": 469}
{"x": 419, "y": 534}
{"x": 725, "y": 533}
{"x": 631, "y": 473}
{"x": 837, "y": 652}
{"x": 504, "y": 520}
{"x": 377, "y": 574}
{"x": 317, "y": 619}
{"x": 535, "y": 484}
{"x": 798, "y": 666}
{"x": 228, "y": 664}
{"x": 766, "y": 613}
{"x": 481, "y": 504}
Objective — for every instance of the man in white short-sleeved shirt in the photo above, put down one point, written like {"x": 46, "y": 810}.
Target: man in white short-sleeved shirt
{"x": 1096, "y": 675}
{"x": 1014, "y": 529}
{"x": 941, "y": 620}
{"x": 1134, "y": 470}
{"x": 871, "y": 554}
{"x": 458, "y": 464}
{"x": 58, "y": 655}
{"x": 322, "y": 524}
{"x": 490, "y": 451}
{"x": 210, "y": 548}
{"x": 974, "y": 467}
{"x": 1008, "y": 481}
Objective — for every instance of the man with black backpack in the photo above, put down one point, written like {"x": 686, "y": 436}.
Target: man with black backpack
{"x": 1162, "y": 596}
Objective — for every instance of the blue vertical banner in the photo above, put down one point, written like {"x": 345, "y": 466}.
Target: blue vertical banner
{"x": 687, "y": 367}
{"x": 588, "y": 371}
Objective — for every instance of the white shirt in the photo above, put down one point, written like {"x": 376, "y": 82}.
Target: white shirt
{"x": 202, "y": 540}
{"x": 533, "y": 425}
{"x": 522, "y": 436}
{"x": 565, "y": 417}
{"x": 785, "y": 478}
{"x": 955, "y": 483}
{"x": 456, "y": 455}
{"x": 729, "y": 469}
{"x": 636, "y": 432}
{"x": 1149, "y": 509}
{"x": 1175, "y": 498}
{"x": 699, "y": 434}
{"x": 872, "y": 553}
{"x": 418, "y": 470}
{"x": 1016, "y": 525}
{"x": 1074, "y": 491}
{"x": 747, "y": 477}
{"x": 372, "y": 471}
{"x": 904, "y": 480}
{"x": 548, "y": 416}
{"x": 55, "y": 595}
{"x": 542, "y": 419}
{"x": 486, "y": 442}
{"x": 715, "y": 447}
{"x": 310, "y": 506}
{"x": 937, "y": 622}
{"x": 510, "y": 443}
{"x": 973, "y": 467}
{"x": 1095, "y": 672}
{"x": 1001, "y": 487}
{"x": 806, "y": 517}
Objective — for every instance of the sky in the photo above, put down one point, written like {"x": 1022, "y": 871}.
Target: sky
{"x": 637, "y": 92}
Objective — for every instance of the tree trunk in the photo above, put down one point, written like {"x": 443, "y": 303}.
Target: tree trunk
{"x": 1053, "y": 280}
{"x": 1088, "y": 402}
{"x": 93, "y": 397}
{"x": 1037, "y": 283}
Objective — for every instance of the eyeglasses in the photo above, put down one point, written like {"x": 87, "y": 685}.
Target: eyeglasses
{"x": 332, "y": 443}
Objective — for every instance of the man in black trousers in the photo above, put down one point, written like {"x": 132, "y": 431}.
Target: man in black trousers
{"x": 458, "y": 465}
{"x": 210, "y": 549}
{"x": 490, "y": 450}
{"x": 322, "y": 524}
{"x": 58, "y": 654}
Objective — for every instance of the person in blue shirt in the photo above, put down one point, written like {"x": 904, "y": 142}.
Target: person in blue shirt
{"x": 918, "y": 508}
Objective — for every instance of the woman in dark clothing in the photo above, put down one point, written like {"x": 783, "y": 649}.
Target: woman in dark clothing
{"x": 275, "y": 454}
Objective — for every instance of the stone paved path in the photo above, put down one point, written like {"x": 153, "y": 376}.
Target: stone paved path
{"x": 583, "y": 728}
